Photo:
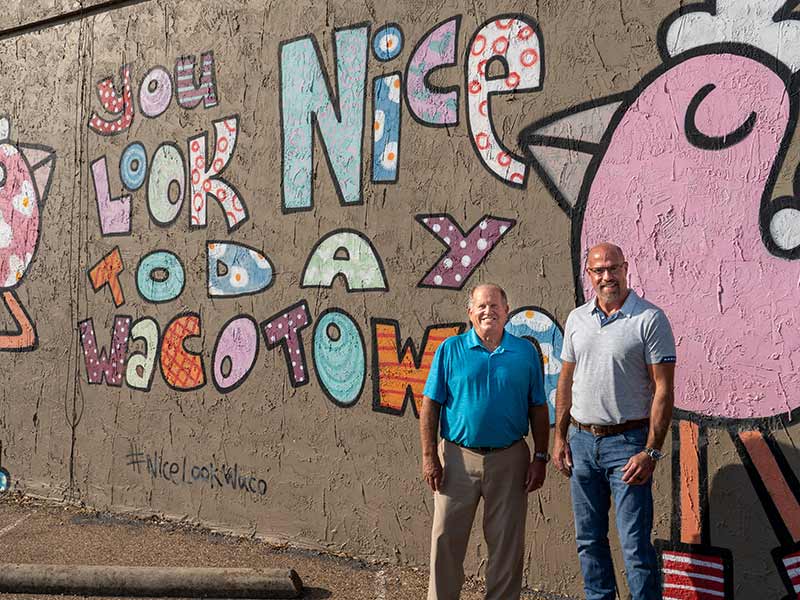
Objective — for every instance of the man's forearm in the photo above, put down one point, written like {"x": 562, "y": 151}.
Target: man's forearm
{"x": 429, "y": 426}
{"x": 660, "y": 417}
{"x": 539, "y": 417}
{"x": 563, "y": 401}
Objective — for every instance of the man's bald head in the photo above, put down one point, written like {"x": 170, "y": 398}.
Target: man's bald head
{"x": 606, "y": 249}
{"x": 608, "y": 272}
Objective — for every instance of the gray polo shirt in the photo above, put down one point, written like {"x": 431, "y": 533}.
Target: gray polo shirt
{"x": 611, "y": 384}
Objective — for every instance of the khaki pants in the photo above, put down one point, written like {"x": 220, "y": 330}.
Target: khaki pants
{"x": 498, "y": 478}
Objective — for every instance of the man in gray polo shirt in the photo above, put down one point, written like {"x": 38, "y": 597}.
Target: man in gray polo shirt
{"x": 613, "y": 410}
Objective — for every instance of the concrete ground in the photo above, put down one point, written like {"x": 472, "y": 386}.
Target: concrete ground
{"x": 35, "y": 531}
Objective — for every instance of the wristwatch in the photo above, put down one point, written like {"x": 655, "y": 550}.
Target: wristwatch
{"x": 541, "y": 456}
{"x": 656, "y": 455}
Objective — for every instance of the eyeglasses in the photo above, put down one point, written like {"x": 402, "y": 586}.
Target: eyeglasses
{"x": 598, "y": 271}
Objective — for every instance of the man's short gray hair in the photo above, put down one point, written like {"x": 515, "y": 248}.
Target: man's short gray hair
{"x": 471, "y": 292}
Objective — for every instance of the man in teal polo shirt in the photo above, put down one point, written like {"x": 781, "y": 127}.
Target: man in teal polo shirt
{"x": 484, "y": 387}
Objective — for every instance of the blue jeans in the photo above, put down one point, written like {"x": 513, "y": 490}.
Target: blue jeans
{"x": 597, "y": 477}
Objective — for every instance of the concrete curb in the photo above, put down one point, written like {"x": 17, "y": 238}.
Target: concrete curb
{"x": 147, "y": 581}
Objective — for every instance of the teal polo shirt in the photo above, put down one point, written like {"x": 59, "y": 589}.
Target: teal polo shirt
{"x": 485, "y": 396}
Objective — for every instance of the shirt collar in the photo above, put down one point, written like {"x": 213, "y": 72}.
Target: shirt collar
{"x": 625, "y": 310}
{"x": 475, "y": 342}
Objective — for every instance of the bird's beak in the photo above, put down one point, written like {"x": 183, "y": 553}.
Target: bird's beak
{"x": 561, "y": 147}
{"x": 41, "y": 161}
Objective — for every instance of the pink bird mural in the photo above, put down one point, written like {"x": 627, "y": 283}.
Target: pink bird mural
{"x": 680, "y": 172}
{"x": 25, "y": 175}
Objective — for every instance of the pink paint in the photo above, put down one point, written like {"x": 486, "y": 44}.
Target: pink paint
{"x": 19, "y": 217}
{"x": 687, "y": 219}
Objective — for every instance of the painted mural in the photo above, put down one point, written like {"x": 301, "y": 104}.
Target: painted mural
{"x": 294, "y": 255}
{"x": 680, "y": 170}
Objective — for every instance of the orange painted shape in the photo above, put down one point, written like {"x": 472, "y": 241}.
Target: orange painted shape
{"x": 26, "y": 338}
{"x": 182, "y": 370}
{"x": 771, "y": 476}
{"x": 397, "y": 374}
{"x": 107, "y": 272}
{"x": 691, "y": 523}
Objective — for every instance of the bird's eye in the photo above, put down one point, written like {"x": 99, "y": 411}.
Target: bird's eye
{"x": 2, "y": 175}
{"x": 712, "y": 142}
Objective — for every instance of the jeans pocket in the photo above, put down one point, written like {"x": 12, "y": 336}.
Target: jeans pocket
{"x": 636, "y": 437}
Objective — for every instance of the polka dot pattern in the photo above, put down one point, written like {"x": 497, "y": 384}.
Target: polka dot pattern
{"x": 99, "y": 362}
{"x": 514, "y": 40}
{"x": 284, "y": 329}
{"x": 115, "y": 104}
{"x": 205, "y": 178}
{"x": 465, "y": 252}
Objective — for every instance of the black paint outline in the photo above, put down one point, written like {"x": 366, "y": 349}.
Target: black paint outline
{"x": 150, "y": 276}
{"x": 706, "y": 142}
{"x": 187, "y": 185}
{"x": 241, "y": 245}
{"x": 157, "y": 351}
{"x": 725, "y": 554}
{"x": 322, "y": 385}
{"x": 416, "y": 356}
{"x": 199, "y": 335}
{"x": 146, "y": 165}
{"x": 316, "y": 132}
{"x": 773, "y": 515}
{"x": 218, "y": 175}
{"x": 94, "y": 113}
{"x": 380, "y": 30}
{"x": 399, "y": 131}
{"x": 243, "y": 378}
{"x": 99, "y": 352}
{"x": 420, "y": 219}
{"x": 284, "y": 345}
{"x": 677, "y": 486}
{"x": 628, "y": 98}
{"x": 196, "y": 79}
{"x": 375, "y": 254}
{"x": 434, "y": 89}
{"x": 537, "y": 30}
{"x": 173, "y": 91}
{"x": 7, "y": 333}
{"x": 111, "y": 199}
{"x": 96, "y": 289}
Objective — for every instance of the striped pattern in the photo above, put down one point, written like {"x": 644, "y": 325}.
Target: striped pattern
{"x": 791, "y": 563}
{"x": 692, "y": 576}
{"x": 190, "y": 94}
{"x": 397, "y": 374}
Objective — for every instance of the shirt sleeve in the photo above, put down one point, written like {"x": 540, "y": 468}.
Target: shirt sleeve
{"x": 536, "y": 395}
{"x": 659, "y": 341}
{"x": 567, "y": 352}
{"x": 436, "y": 385}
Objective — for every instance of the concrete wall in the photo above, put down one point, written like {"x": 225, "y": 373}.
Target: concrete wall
{"x": 234, "y": 233}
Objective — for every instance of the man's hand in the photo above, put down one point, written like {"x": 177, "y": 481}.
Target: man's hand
{"x": 562, "y": 457}
{"x": 432, "y": 471}
{"x": 536, "y": 475}
{"x": 639, "y": 469}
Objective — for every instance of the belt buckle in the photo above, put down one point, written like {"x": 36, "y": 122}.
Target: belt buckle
{"x": 598, "y": 430}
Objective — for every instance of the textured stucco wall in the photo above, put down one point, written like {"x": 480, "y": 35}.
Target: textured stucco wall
{"x": 317, "y": 443}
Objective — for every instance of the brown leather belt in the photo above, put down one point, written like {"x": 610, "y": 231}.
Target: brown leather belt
{"x": 603, "y": 430}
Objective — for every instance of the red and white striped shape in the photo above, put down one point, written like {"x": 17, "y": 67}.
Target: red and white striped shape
{"x": 791, "y": 562}
{"x": 691, "y": 576}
